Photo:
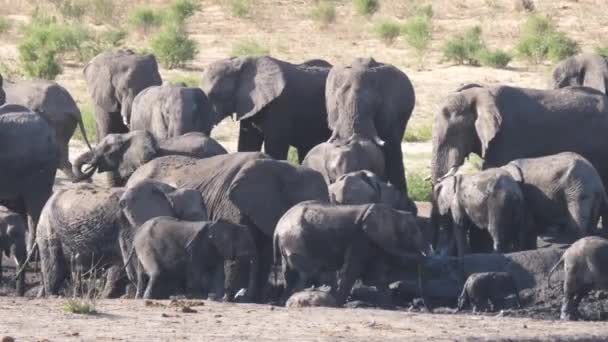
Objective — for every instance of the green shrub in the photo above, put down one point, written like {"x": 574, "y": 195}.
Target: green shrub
{"x": 324, "y": 13}
{"x": 88, "y": 120}
{"x": 180, "y": 10}
{"x": 292, "y": 156}
{"x": 464, "y": 48}
{"x": 602, "y": 51}
{"x": 190, "y": 80}
{"x": 172, "y": 46}
{"x": 79, "y": 306}
{"x": 145, "y": 19}
{"x": 418, "y": 133}
{"x": 417, "y": 32}
{"x": 239, "y": 8}
{"x": 494, "y": 58}
{"x": 539, "y": 40}
{"x": 418, "y": 188}
{"x": 5, "y": 25}
{"x": 248, "y": 47}
{"x": 113, "y": 38}
{"x": 424, "y": 11}
{"x": 366, "y": 7}
{"x": 388, "y": 30}
{"x": 70, "y": 9}
{"x": 103, "y": 11}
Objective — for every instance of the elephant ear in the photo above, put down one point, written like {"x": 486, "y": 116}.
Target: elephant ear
{"x": 515, "y": 171}
{"x": 595, "y": 79}
{"x": 261, "y": 81}
{"x": 145, "y": 200}
{"x": 380, "y": 225}
{"x": 257, "y": 191}
{"x": 445, "y": 194}
{"x": 101, "y": 88}
{"x": 488, "y": 120}
{"x": 188, "y": 205}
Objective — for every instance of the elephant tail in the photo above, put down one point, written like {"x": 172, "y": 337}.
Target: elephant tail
{"x": 604, "y": 213}
{"x": 128, "y": 259}
{"x": 27, "y": 260}
{"x": 559, "y": 262}
{"x": 463, "y": 299}
{"x": 83, "y": 132}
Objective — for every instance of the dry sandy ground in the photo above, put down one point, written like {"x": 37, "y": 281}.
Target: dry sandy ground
{"x": 133, "y": 320}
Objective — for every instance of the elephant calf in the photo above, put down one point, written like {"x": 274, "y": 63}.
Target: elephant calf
{"x": 487, "y": 286}
{"x": 311, "y": 297}
{"x": 315, "y": 237}
{"x": 12, "y": 241}
{"x": 182, "y": 254}
{"x": 585, "y": 269}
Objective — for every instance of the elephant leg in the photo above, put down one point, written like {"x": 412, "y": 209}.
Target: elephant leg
{"x": 250, "y": 137}
{"x": 64, "y": 162}
{"x": 194, "y": 281}
{"x": 108, "y": 122}
{"x": 156, "y": 288}
{"x": 53, "y": 266}
{"x": 291, "y": 278}
{"x": 265, "y": 261}
{"x": 141, "y": 280}
{"x": 460, "y": 234}
{"x": 1, "y": 266}
{"x": 393, "y": 161}
{"x": 34, "y": 203}
{"x": 115, "y": 282}
{"x": 351, "y": 270}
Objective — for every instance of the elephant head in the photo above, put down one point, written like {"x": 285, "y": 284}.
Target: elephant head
{"x": 148, "y": 199}
{"x": 2, "y": 94}
{"x": 12, "y": 241}
{"x": 243, "y": 85}
{"x": 445, "y": 193}
{"x": 589, "y": 70}
{"x": 123, "y": 153}
{"x": 264, "y": 189}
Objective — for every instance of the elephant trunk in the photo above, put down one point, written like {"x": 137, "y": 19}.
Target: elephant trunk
{"x": 252, "y": 280}
{"x": 19, "y": 251}
{"x": 89, "y": 158}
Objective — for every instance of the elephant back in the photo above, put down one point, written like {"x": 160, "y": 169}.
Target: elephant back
{"x": 46, "y": 98}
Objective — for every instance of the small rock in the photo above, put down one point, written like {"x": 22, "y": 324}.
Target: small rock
{"x": 8, "y": 339}
{"x": 75, "y": 334}
{"x": 187, "y": 309}
{"x": 164, "y": 315}
{"x": 525, "y": 326}
{"x": 272, "y": 308}
{"x": 217, "y": 315}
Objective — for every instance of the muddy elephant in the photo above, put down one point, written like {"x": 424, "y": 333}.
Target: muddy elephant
{"x": 122, "y": 154}
{"x": 586, "y": 69}
{"x": 334, "y": 159}
{"x": 277, "y": 103}
{"x": 503, "y": 123}
{"x": 314, "y": 237}
{"x": 29, "y": 163}
{"x": 485, "y": 288}
{"x": 248, "y": 188}
{"x": 183, "y": 254}
{"x": 169, "y": 111}
{"x": 361, "y": 187}
{"x": 56, "y": 105}
{"x": 12, "y": 243}
{"x": 373, "y": 100}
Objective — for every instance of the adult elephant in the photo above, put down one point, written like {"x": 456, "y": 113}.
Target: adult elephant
{"x": 56, "y": 105}
{"x": 168, "y": 111}
{"x": 373, "y": 100}
{"x": 247, "y": 188}
{"x": 2, "y": 94}
{"x": 503, "y": 123}
{"x": 586, "y": 69}
{"x": 114, "y": 78}
{"x": 277, "y": 103}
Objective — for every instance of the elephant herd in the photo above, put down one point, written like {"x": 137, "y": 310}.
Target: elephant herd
{"x": 182, "y": 215}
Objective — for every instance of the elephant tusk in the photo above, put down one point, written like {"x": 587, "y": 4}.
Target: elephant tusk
{"x": 379, "y": 141}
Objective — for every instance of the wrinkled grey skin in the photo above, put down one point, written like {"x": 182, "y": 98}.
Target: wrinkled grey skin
{"x": 93, "y": 225}
{"x": 2, "y": 93}
{"x": 56, "y": 105}
{"x": 247, "y": 188}
{"x": 361, "y": 187}
{"x": 503, "y": 123}
{"x": 183, "y": 254}
{"x": 315, "y": 237}
{"x": 338, "y": 158}
{"x": 124, "y": 153}
{"x": 491, "y": 200}
{"x": 493, "y": 287}
{"x": 12, "y": 242}
{"x": 586, "y": 69}
{"x": 562, "y": 189}
{"x": 373, "y": 100}
{"x": 277, "y": 103}
{"x": 29, "y": 163}
{"x": 585, "y": 269}
{"x": 168, "y": 111}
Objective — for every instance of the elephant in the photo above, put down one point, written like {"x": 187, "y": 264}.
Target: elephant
{"x": 490, "y": 200}
{"x": 93, "y": 225}
{"x": 585, "y": 269}
{"x": 168, "y": 111}
{"x": 277, "y": 103}
{"x": 373, "y": 100}
{"x": 124, "y": 153}
{"x": 29, "y": 163}
{"x": 183, "y": 252}
{"x": 561, "y": 189}
{"x": 2, "y": 93}
{"x": 248, "y": 188}
{"x": 504, "y": 123}
{"x": 488, "y": 286}
{"x": 312, "y": 297}
{"x": 586, "y": 69}
{"x": 338, "y": 158}
{"x": 314, "y": 237}
{"x": 12, "y": 241}
{"x": 361, "y": 187}
{"x": 56, "y": 105}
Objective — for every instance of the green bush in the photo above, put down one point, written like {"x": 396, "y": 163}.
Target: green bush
{"x": 103, "y": 41}
{"x": 539, "y": 40}
{"x": 602, "y": 51}
{"x": 70, "y": 9}
{"x": 417, "y": 32}
{"x": 239, "y": 8}
{"x": 324, "y": 13}
{"x": 180, "y": 10}
{"x": 190, "y": 80}
{"x": 494, "y": 58}
{"x": 172, "y": 46}
{"x": 88, "y": 120}
{"x": 113, "y": 38}
{"x": 103, "y": 11}
{"x": 80, "y": 306}
{"x": 5, "y": 25}
{"x": 248, "y": 47}
{"x": 418, "y": 133}
{"x": 145, "y": 19}
{"x": 388, "y": 30}
{"x": 424, "y": 11}
{"x": 464, "y": 48}
{"x": 366, "y": 7}
{"x": 292, "y": 156}
{"x": 418, "y": 188}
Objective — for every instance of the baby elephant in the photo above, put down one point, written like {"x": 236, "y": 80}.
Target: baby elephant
{"x": 180, "y": 254}
{"x": 12, "y": 241}
{"x": 585, "y": 269}
{"x": 491, "y": 200}
{"x": 492, "y": 287}
{"x": 315, "y": 237}
{"x": 311, "y": 297}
